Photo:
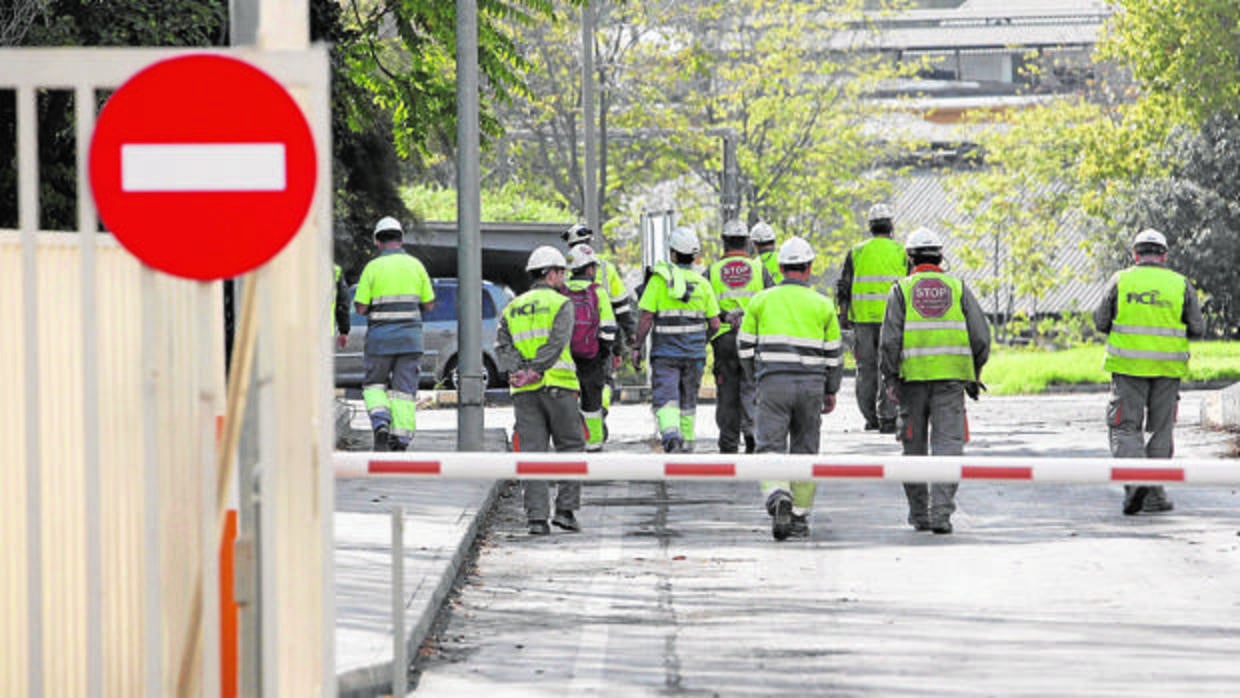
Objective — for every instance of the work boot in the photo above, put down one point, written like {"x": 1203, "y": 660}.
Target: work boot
{"x": 1134, "y": 499}
{"x": 871, "y": 425}
{"x": 383, "y": 439}
{"x": 539, "y": 527}
{"x": 799, "y": 528}
{"x": 779, "y": 504}
{"x": 395, "y": 444}
{"x": 941, "y": 527}
{"x": 564, "y": 519}
{"x": 750, "y": 444}
{"x": 919, "y": 523}
{"x": 1156, "y": 502}
{"x": 672, "y": 444}
{"x": 887, "y": 426}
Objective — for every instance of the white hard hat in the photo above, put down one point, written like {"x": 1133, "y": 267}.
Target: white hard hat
{"x": 795, "y": 250}
{"x": 735, "y": 229}
{"x": 1149, "y": 236}
{"x": 580, "y": 256}
{"x": 387, "y": 223}
{"x": 684, "y": 241}
{"x": 923, "y": 239}
{"x": 578, "y": 233}
{"x": 761, "y": 233}
{"x": 879, "y": 212}
{"x": 545, "y": 257}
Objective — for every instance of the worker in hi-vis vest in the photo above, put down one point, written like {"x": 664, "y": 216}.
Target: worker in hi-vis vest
{"x": 1148, "y": 314}
{"x": 680, "y": 311}
{"x": 763, "y": 237}
{"x": 393, "y": 292}
{"x": 870, "y": 268}
{"x": 932, "y": 346}
{"x": 735, "y": 278}
{"x": 533, "y": 344}
{"x": 789, "y": 342}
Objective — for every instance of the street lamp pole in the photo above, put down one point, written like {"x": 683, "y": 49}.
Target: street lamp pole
{"x": 589, "y": 199}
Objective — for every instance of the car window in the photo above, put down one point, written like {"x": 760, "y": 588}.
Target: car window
{"x": 488, "y": 306}
{"x": 445, "y": 304}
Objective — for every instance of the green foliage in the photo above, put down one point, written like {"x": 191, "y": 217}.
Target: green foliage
{"x": 1186, "y": 51}
{"x": 1194, "y": 205}
{"x": 412, "y": 76}
{"x": 673, "y": 78}
{"x": 1014, "y": 371}
{"x": 508, "y": 203}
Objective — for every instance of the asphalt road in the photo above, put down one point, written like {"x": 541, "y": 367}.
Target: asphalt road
{"x": 676, "y": 588}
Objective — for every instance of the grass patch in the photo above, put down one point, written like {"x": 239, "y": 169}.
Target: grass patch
{"x": 1024, "y": 371}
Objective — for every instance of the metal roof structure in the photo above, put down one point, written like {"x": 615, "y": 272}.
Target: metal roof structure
{"x": 921, "y": 198}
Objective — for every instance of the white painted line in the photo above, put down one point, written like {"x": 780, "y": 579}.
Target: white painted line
{"x": 169, "y": 167}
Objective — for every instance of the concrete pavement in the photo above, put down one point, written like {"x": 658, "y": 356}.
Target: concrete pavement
{"x": 443, "y": 517}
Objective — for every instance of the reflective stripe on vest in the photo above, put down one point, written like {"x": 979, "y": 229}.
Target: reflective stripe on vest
{"x": 877, "y": 264}
{"x": 1148, "y": 336}
{"x": 530, "y": 318}
{"x": 790, "y": 328}
{"x": 936, "y": 336}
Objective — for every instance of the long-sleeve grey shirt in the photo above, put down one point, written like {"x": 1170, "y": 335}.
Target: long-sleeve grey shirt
{"x": 1194, "y": 323}
{"x": 891, "y": 336}
{"x": 545, "y": 357}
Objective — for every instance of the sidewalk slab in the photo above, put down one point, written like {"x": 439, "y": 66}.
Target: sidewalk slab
{"x": 442, "y": 520}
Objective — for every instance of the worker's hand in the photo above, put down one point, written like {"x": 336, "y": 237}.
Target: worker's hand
{"x": 893, "y": 394}
{"x": 341, "y": 341}
{"x": 735, "y": 316}
{"x": 636, "y": 359}
{"x": 523, "y": 377}
{"x": 974, "y": 389}
{"x": 845, "y": 323}
{"x": 616, "y": 362}
{"x": 828, "y": 403}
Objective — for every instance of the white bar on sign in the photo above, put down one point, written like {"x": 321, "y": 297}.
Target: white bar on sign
{"x": 168, "y": 167}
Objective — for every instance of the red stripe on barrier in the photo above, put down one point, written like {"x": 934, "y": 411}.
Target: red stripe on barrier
{"x": 995, "y": 472}
{"x": 703, "y": 469}
{"x": 404, "y": 467}
{"x": 533, "y": 467}
{"x": 848, "y": 471}
{"x": 1159, "y": 474}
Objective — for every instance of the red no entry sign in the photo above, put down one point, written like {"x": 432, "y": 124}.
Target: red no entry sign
{"x": 202, "y": 166}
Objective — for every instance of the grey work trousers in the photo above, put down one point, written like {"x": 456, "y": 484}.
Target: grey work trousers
{"x": 871, "y": 398}
{"x": 931, "y": 422}
{"x": 545, "y": 416}
{"x": 735, "y": 394}
{"x": 1142, "y": 404}
{"x": 789, "y": 420}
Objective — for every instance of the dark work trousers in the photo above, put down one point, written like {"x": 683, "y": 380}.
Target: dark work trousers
{"x": 390, "y": 389}
{"x": 592, "y": 375}
{"x": 1137, "y": 405}
{"x": 789, "y": 420}
{"x": 871, "y": 398}
{"x": 931, "y": 422}
{"x": 674, "y": 386}
{"x": 734, "y": 394}
{"x": 544, "y": 416}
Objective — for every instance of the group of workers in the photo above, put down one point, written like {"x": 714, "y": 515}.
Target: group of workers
{"x": 920, "y": 343}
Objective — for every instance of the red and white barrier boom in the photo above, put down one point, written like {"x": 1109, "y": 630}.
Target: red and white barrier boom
{"x": 706, "y": 466}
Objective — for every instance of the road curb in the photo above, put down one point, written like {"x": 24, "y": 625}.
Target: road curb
{"x": 376, "y": 679}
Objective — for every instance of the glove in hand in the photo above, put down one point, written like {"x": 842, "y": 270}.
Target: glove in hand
{"x": 974, "y": 389}
{"x": 828, "y": 403}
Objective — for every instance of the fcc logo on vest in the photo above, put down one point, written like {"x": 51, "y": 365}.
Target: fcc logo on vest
{"x": 931, "y": 297}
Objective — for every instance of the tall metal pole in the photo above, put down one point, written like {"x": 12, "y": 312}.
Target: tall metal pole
{"x": 730, "y": 197}
{"x": 469, "y": 415}
{"x": 589, "y": 200}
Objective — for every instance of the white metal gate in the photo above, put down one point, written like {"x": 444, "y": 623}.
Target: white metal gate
{"x": 113, "y": 379}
